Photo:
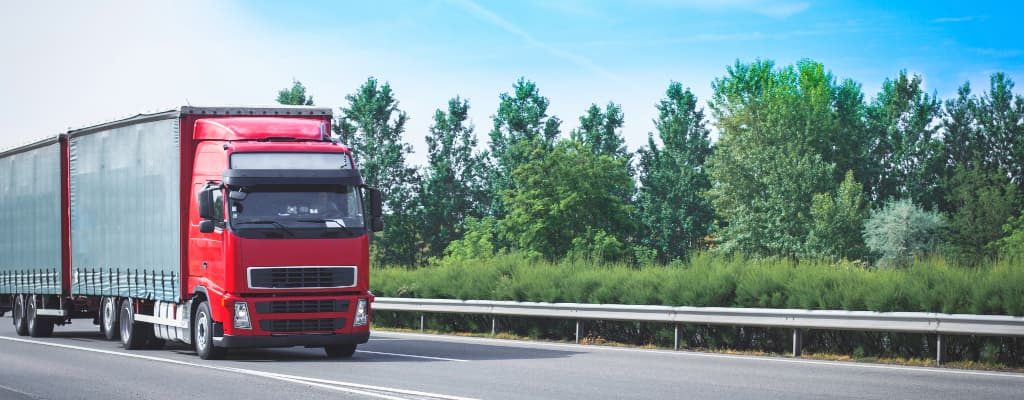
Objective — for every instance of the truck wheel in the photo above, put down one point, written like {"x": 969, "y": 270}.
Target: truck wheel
{"x": 133, "y": 334}
{"x": 108, "y": 319}
{"x": 18, "y": 315}
{"x": 37, "y": 326}
{"x": 203, "y": 331}
{"x": 340, "y": 351}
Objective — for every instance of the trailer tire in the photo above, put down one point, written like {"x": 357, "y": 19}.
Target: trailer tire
{"x": 18, "y": 315}
{"x": 203, "y": 331}
{"x": 340, "y": 351}
{"x": 108, "y": 318}
{"x": 37, "y": 326}
{"x": 133, "y": 334}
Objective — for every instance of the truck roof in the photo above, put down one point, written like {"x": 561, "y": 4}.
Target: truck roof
{"x": 220, "y": 111}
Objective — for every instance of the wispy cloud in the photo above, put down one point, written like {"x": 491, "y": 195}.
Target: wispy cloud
{"x": 494, "y": 19}
{"x": 997, "y": 53}
{"x": 965, "y": 18}
{"x": 775, "y": 9}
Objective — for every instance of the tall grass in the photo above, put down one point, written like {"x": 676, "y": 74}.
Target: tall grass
{"x": 930, "y": 285}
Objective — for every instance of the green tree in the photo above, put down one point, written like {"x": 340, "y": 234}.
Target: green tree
{"x": 599, "y": 130}
{"x": 901, "y": 123}
{"x": 566, "y": 199}
{"x": 838, "y": 223}
{"x": 521, "y": 125}
{"x": 672, "y": 209}
{"x": 774, "y": 125}
{"x": 1000, "y": 117}
{"x": 900, "y": 231}
{"x": 453, "y": 188}
{"x": 983, "y": 201}
{"x": 295, "y": 95}
{"x": 1011, "y": 247}
{"x": 373, "y": 125}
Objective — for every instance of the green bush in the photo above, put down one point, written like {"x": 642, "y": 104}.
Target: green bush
{"x": 901, "y": 231}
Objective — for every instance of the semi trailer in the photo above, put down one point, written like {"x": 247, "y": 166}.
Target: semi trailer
{"x": 217, "y": 227}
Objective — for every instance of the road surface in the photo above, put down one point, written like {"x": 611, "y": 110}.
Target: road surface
{"x": 78, "y": 364}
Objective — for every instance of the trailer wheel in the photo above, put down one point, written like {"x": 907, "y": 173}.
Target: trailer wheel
{"x": 37, "y": 326}
{"x": 18, "y": 315}
{"x": 203, "y": 331}
{"x": 340, "y": 351}
{"x": 108, "y": 319}
{"x": 133, "y": 334}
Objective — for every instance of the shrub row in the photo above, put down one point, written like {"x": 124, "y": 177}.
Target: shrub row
{"x": 930, "y": 285}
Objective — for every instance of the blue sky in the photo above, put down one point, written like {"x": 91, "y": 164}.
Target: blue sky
{"x": 131, "y": 57}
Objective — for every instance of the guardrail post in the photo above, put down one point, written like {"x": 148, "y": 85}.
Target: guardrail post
{"x": 940, "y": 348}
{"x": 494, "y": 325}
{"x": 577, "y": 331}
{"x": 798, "y": 342}
{"x": 421, "y": 322}
{"x": 675, "y": 340}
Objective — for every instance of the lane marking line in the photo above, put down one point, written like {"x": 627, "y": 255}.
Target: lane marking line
{"x": 520, "y": 343}
{"x": 410, "y": 356}
{"x": 13, "y": 390}
{"x": 348, "y": 387}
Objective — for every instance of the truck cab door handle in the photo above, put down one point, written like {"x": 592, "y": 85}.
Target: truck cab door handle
{"x": 204, "y": 264}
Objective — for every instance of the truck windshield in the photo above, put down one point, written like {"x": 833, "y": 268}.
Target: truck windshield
{"x": 296, "y": 211}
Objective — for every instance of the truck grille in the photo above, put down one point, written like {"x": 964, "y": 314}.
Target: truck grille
{"x": 302, "y": 277}
{"x": 302, "y": 325}
{"x": 301, "y": 306}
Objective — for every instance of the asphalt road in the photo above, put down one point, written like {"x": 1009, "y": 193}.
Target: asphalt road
{"x": 78, "y": 364}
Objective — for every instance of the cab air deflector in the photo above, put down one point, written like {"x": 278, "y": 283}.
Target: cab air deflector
{"x": 250, "y": 177}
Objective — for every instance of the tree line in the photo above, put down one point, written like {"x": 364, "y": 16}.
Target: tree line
{"x": 804, "y": 167}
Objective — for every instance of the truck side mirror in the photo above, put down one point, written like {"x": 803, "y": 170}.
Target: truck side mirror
{"x": 376, "y": 209}
{"x": 206, "y": 226}
{"x": 205, "y": 201}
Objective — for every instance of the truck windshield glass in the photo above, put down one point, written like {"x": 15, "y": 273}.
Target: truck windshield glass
{"x": 296, "y": 211}
{"x": 290, "y": 161}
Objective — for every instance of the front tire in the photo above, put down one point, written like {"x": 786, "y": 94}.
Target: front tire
{"x": 203, "y": 334}
{"x": 37, "y": 326}
{"x": 340, "y": 351}
{"x": 108, "y": 319}
{"x": 18, "y": 315}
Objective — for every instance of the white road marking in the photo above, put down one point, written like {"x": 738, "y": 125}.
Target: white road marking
{"x": 10, "y": 389}
{"x": 348, "y": 387}
{"x": 411, "y": 356}
{"x": 521, "y": 343}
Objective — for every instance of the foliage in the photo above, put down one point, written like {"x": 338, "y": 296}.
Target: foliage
{"x": 563, "y": 195}
{"x": 521, "y": 125}
{"x": 900, "y": 122}
{"x": 900, "y": 231}
{"x": 838, "y": 223}
{"x": 599, "y": 131}
{"x": 454, "y": 184}
{"x": 769, "y": 161}
{"x": 983, "y": 201}
{"x": 1011, "y": 247}
{"x": 479, "y": 240}
{"x": 672, "y": 209}
{"x": 296, "y": 95}
{"x": 373, "y": 125}
{"x": 710, "y": 280}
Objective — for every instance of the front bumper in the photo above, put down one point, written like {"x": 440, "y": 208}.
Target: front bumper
{"x": 309, "y": 340}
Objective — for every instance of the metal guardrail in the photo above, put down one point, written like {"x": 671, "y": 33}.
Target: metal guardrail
{"x": 796, "y": 319}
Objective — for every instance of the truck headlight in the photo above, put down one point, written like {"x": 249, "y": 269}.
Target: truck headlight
{"x": 242, "y": 315}
{"x": 362, "y": 313}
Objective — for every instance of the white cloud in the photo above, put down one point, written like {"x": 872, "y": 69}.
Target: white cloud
{"x": 775, "y": 9}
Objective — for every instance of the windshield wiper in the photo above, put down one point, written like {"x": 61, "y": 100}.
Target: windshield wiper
{"x": 324, "y": 221}
{"x": 268, "y": 222}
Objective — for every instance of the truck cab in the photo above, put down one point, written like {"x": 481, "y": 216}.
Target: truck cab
{"x": 278, "y": 237}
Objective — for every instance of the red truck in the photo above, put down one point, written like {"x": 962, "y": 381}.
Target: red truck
{"x": 219, "y": 227}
